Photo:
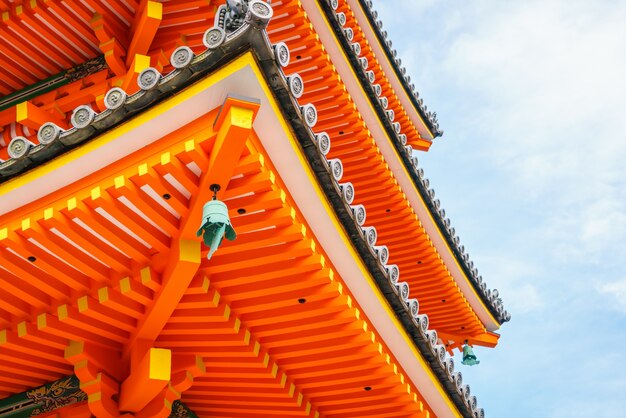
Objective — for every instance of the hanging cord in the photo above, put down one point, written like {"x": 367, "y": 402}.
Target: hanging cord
{"x": 215, "y": 188}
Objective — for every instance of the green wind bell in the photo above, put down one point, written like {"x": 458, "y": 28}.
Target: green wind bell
{"x": 469, "y": 358}
{"x": 215, "y": 223}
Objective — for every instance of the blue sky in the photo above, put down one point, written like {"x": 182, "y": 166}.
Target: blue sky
{"x": 532, "y": 172}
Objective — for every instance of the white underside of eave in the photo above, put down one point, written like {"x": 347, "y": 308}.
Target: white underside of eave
{"x": 288, "y": 165}
{"x": 364, "y": 107}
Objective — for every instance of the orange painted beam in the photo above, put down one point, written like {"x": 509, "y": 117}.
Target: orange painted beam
{"x": 146, "y": 380}
{"x": 113, "y": 53}
{"x": 33, "y": 117}
{"x": 234, "y": 124}
{"x": 182, "y": 266}
{"x": 145, "y": 29}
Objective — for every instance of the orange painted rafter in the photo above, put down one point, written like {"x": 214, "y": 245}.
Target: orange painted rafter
{"x": 16, "y": 29}
{"x": 171, "y": 210}
{"x": 78, "y": 236}
{"x": 16, "y": 34}
{"x": 86, "y": 41}
{"x": 100, "y": 222}
{"x": 58, "y": 47}
{"x": 146, "y": 231}
{"x": 113, "y": 23}
{"x": 138, "y": 64}
{"x": 18, "y": 63}
{"x": 111, "y": 47}
{"x": 413, "y": 136}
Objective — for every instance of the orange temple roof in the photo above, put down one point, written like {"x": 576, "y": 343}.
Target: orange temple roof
{"x": 313, "y": 305}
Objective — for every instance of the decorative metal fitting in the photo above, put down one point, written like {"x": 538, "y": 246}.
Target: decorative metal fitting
{"x": 413, "y": 306}
{"x": 309, "y": 113}
{"x": 393, "y": 272}
{"x": 402, "y": 288}
{"x": 48, "y": 133}
{"x": 115, "y": 98}
{"x": 214, "y": 37}
{"x": 347, "y": 192}
{"x": 148, "y": 78}
{"x": 382, "y": 252}
{"x": 432, "y": 338}
{"x": 449, "y": 363}
{"x": 323, "y": 142}
{"x": 296, "y": 85}
{"x": 82, "y": 116}
{"x": 440, "y": 353}
{"x": 19, "y": 147}
{"x": 359, "y": 214}
{"x": 458, "y": 380}
{"x": 341, "y": 18}
{"x": 336, "y": 168}
{"x": 370, "y": 235}
{"x": 349, "y": 34}
{"x": 259, "y": 14}
{"x": 422, "y": 323}
{"x": 181, "y": 57}
{"x": 281, "y": 54}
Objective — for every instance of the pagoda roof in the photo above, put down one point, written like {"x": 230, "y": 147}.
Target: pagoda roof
{"x": 301, "y": 119}
{"x": 387, "y": 91}
{"x": 384, "y": 82}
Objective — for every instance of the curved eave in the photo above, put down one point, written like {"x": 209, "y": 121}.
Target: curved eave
{"x": 367, "y": 20}
{"x": 481, "y": 299}
{"x": 208, "y": 62}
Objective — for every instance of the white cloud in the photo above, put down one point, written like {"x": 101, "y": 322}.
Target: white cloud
{"x": 513, "y": 278}
{"x": 553, "y": 78}
{"x": 617, "y": 290}
{"x": 532, "y": 98}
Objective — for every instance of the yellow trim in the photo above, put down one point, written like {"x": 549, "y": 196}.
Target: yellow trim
{"x": 160, "y": 364}
{"x": 363, "y": 93}
{"x": 154, "y": 10}
{"x": 348, "y": 243}
{"x": 21, "y": 111}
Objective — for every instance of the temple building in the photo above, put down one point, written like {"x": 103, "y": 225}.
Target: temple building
{"x": 135, "y": 134}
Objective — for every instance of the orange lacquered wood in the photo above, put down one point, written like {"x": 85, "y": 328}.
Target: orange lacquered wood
{"x": 285, "y": 357}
